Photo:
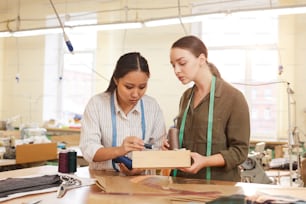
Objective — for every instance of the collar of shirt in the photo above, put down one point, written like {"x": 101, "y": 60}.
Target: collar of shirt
{"x": 136, "y": 108}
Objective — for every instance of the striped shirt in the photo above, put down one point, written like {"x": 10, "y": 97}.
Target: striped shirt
{"x": 96, "y": 131}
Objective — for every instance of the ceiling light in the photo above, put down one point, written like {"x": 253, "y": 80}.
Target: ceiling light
{"x": 35, "y": 32}
{"x": 199, "y": 17}
{"x": 276, "y": 11}
{"x": 91, "y": 26}
{"x": 112, "y": 26}
{"x": 5, "y": 34}
{"x": 74, "y": 23}
{"x": 184, "y": 19}
{"x": 162, "y": 22}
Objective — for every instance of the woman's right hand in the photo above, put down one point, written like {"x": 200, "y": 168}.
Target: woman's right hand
{"x": 199, "y": 162}
{"x": 131, "y": 172}
{"x": 132, "y": 143}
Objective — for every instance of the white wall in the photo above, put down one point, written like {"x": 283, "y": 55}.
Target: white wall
{"x": 23, "y": 57}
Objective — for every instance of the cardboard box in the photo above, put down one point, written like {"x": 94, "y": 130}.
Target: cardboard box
{"x": 28, "y": 153}
{"x": 161, "y": 159}
{"x": 278, "y": 151}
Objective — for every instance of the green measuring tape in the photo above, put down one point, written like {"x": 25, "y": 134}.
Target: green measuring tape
{"x": 209, "y": 128}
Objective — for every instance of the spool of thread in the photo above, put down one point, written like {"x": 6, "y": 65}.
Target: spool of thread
{"x": 173, "y": 138}
{"x": 67, "y": 161}
{"x": 72, "y": 159}
{"x": 63, "y": 162}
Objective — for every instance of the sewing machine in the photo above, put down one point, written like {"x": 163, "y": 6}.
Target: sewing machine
{"x": 252, "y": 168}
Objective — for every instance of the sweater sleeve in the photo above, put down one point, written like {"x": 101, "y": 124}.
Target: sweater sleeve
{"x": 238, "y": 133}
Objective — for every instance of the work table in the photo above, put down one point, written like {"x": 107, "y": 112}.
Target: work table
{"x": 125, "y": 189}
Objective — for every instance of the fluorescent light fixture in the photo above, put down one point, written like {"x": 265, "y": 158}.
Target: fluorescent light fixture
{"x": 277, "y": 11}
{"x": 197, "y": 18}
{"x": 5, "y": 34}
{"x": 112, "y": 26}
{"x": 293, "y": 10}
{"x": 162, "y": 22}
{"x": 35, "y": 32}
{"x": 184, "y": 19}
{"x": 74, "y": 23}
{"x": 91, "y": 26}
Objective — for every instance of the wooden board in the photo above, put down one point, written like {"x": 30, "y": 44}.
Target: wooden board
{"x": 28, "y": 153}
{"x": 161, "y": 159}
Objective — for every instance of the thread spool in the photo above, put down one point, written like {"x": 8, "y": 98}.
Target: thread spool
{"x": 63, "y": 162}
{"x": 67, "y": 161}
{"x": 72, "y": 159}
{"x": 173, "y": 138}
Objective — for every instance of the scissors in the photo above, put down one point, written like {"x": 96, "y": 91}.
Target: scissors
{"x": 68, "y": 182}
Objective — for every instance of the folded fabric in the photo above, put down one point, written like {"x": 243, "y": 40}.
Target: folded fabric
{"x": 19, "y": 185}
{"x": 259, "y": 199}
{"x": 232, "y": 199}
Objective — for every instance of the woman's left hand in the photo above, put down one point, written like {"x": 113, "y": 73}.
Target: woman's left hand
{"x": 197, "y": 165}
{"x": 165, "y": 145}
{"x": 128, "y": 172}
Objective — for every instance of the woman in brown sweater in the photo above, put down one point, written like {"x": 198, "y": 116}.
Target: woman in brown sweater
{"x": 213, "y": 118}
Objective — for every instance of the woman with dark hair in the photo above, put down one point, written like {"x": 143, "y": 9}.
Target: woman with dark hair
{"x": 121, "y": 119}
{"x": 213, "y": 118}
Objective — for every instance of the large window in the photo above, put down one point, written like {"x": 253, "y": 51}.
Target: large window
{"x": 76, "y": 83}
{"x": 69, "y": 78}
{"x": 244, "y": 48}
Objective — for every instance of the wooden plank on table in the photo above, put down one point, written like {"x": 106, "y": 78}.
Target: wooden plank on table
{"x": 161, "y": 159}
{"x": 28, "y": 153}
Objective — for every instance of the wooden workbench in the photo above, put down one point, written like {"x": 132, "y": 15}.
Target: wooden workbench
{"x": 7, "y": 162}
{"x": 144, "y": 189}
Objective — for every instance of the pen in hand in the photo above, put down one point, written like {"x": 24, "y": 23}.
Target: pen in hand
{"x": 148, "y": 146}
